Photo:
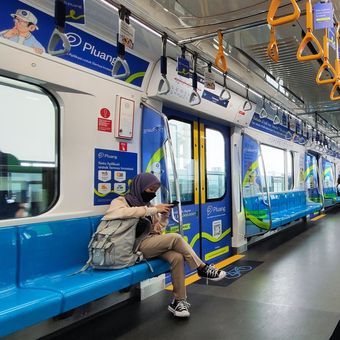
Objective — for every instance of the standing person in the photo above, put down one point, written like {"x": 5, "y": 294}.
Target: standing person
{"x": 338, "y": 186}
{"x": 170, "y": 247}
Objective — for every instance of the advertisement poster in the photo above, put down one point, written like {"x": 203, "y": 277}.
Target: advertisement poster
{"x": 257, "y": 213}
{"x": 329, "y": 190}
{"x": 311, "y": 178}
{"x": 33, "y": 28}
{"x": 293, "y": 133}
{"x": 113, "y": 171}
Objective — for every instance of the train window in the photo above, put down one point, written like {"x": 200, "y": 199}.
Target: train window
{"x": 290, "y": 172}
{"x": 181, "y": 133}
{"x": 215, "y": 164}
{"x": 274, "y": 163}
{"x": 28, "y": 167}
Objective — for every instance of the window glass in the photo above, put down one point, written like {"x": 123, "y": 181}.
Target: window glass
{"x": 28, "y": 167}
{"x": 215, "y": 164}
{"x": 181, "y": 136}
{"x": 290, "y": 172}
{"x": 274, "y": 162}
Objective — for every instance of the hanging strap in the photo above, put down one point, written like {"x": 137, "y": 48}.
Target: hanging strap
{"x": 120, "y": 59}
{"x": 309, "y": 37}
{"x": 220, "y": 59}
{"x": 263, "y": 112}
{"x": 225, "y": 89}
{"x": 273, "y": 50}
{"x": 195, "y": 98}
{"x": 326, "y": 65}
{"x": 58, "y": 35}
{"x": 164, "y": 85}
{"x": 274, "y": 6}
{"x": 247, "y": 106}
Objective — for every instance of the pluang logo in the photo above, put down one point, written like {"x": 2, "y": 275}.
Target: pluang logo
{"x": 101, "y": 155}
{"x": 211, "y": 210}
{"x": 74, "y": 39}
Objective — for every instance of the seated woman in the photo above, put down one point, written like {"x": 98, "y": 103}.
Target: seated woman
{"x": 170, "y": 247}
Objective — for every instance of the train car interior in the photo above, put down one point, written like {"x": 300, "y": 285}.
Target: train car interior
{"x": 234, "y": 106}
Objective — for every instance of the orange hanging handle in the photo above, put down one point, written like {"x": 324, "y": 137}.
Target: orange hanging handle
{"x": 326, "y": 64}
{"x": 274, "y": 6}
{"x": 309, "y": 37}
{"x": 272, "y": 50}
{"x": 336, "y": 86}
{"x": 220, "y": 59}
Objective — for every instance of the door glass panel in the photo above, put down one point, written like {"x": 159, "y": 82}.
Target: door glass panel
{"x": 181, "y": 136}
{"x": 215, "y": 164}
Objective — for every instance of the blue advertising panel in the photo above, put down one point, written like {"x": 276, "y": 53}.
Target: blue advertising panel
{"x": 113, "y": 171}
{"x": 75, "y": 11}
{"x": 279, "y": 130}
{"x": 311, "y": 178}
{"x": 323, "y": 15}
{"x": 214, "y": 98}
{"x": 257, "y": 213}
{"x": 329, "y": 190}
{"x": 331, "y": 37}
{"x": 86, "y": 49}
{"x": 154, "y": 136}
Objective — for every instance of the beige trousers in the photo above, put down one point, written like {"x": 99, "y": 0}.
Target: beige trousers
{"x": 174, "y": 249}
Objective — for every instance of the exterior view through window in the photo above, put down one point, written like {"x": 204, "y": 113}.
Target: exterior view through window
{"x": 181, "y": 133}
{"x": 28, "y": 167}
{"x": 274, "y": 161}
{"x": 215, "y": 164}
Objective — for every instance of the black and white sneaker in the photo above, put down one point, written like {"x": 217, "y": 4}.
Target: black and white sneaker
{"x": 212, "y": 273}
{"x": 179, "y": 308}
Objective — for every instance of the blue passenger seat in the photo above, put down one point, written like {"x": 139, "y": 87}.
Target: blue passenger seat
{"x": 20, "y": 307}
{"x": 38, "y": 272}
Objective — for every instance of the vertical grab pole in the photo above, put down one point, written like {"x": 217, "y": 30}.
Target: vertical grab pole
{"x": 265, "y": 182}
{"x": 178, "y": 195}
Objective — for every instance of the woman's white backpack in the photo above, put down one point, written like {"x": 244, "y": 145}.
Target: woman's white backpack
{"x": 112, "y": 246}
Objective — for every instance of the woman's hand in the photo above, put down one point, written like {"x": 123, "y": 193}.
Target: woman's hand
{"x": 164, "y": 208}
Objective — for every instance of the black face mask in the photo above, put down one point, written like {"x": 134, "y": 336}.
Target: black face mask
{"x": 147, "y": 196}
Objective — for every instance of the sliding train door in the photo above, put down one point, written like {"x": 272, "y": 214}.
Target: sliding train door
{"x": 202, "y": 156}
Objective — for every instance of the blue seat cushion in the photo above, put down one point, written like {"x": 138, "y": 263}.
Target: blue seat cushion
{"x": 20, "y": 308}
{"x": 142, "y": 271}
{"x": 83, "y": 287}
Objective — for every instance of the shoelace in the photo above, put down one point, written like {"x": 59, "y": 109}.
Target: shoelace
{"x": 212, "y": 271}
{"x": 182, "y": 305}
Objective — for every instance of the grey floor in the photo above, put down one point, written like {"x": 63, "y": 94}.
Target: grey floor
{"x": 294, "y": 294}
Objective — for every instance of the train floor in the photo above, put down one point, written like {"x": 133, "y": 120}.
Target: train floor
{"x": 292, "y": 293}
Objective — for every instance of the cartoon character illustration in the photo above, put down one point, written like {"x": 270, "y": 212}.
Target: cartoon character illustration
{"x": 251, "y": 187}
{"x": 25, "y": 22}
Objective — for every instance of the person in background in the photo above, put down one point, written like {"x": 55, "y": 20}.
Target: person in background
{"x": 338, "y": 186}
{"x": 170, "y": 247}
{"x": 8, "y": 207}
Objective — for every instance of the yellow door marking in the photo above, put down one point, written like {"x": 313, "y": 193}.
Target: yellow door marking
{"x": 194, "y": 277}
{"x": 318, "y": 217}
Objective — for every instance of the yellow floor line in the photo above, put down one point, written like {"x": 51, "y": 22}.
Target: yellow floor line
{"x": 318, "y": 217}
{"x": 194, "y": 277}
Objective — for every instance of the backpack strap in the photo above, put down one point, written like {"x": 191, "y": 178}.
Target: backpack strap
{"x": 88, "y": 262}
